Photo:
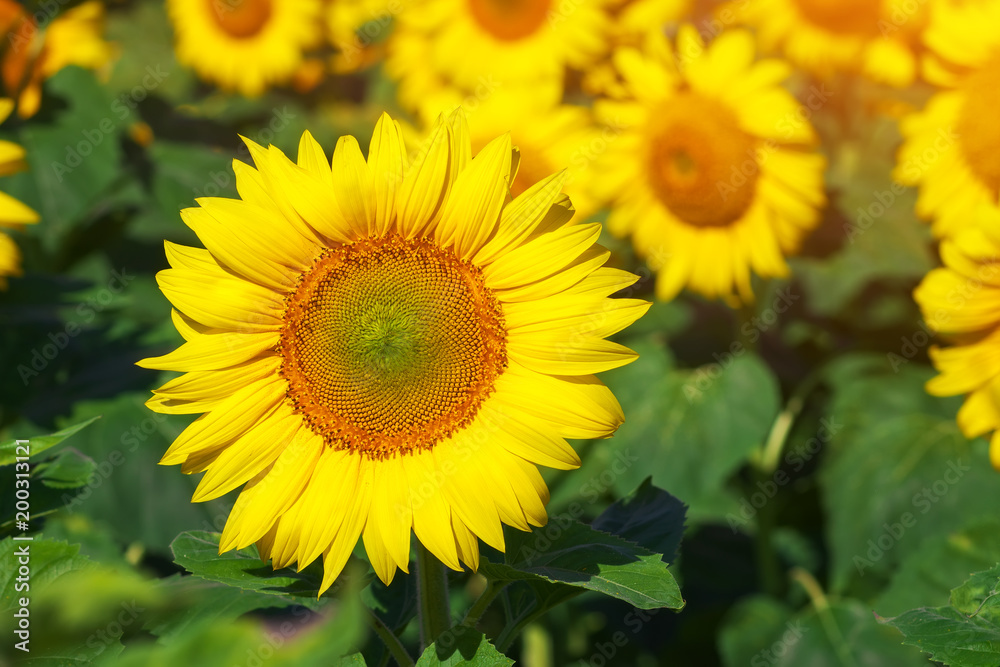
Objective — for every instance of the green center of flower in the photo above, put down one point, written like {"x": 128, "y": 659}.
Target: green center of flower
{"x": 849, "y": 17}
{"x": 240, "y": 18}
{"x": 510, "y": 20}
{"x": 977, "y": 128}
{"x": 702, "y": 165}
{"x": 391, "y": 345}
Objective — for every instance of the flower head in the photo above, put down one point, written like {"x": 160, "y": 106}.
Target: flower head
{"x": 382, "y": 346}
{"x": 961, "y": 302}
{"x": 711, "y": 167}
{"x": 951, "y": 149}
{"x": 245, "y": 45}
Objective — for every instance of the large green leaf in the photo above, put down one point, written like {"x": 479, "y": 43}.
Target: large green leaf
{"x": 650, "y": 517}
{"x": 761, "y": 631}
{"x": 48, "y": 561}
{"x": 964, "y": 634}
{"x": 908, "y": 479}
{"x": 927, "y": 577}
{"x": 898, "y": 472}
{"x": 198, "y": 553}
{"x": 140, "y": 500}
{"x": 39, "y": 443}
{"x": 571, "y": 553}
{"x": 68, "y": 469}
{"x": 689, "y": 430}
{"x": 210, "y": 602}
{"x": 463, "y": 647}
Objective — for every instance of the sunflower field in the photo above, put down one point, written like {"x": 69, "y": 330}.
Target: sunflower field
{"x": 556, "y": 333}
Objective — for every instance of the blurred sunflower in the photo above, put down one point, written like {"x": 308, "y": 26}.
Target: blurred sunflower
{"x": 951, "y": 149}
{"x": 876, "y": 38}
{"x": 628, "y": 23}
{"x": 33, "y": 54}
{"x": 383, "y": 347}
{"x": 961, "y": 301}
{"x": 709, "y": 168}
{"x": 547, "y": 137}
{"x": 357, "y": 29}
{"x": 449, "y": 51}
{"x": 13, "y": 214}
{"x": 245, "y": 45}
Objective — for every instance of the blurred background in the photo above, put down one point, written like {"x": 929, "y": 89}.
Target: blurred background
{"x": 780, "y": 227}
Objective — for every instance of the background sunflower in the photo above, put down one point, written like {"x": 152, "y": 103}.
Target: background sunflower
{"x": 799, "y": 470}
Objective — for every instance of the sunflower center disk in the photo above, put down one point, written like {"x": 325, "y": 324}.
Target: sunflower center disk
{"x": 510, "y": 20}
{"x": 240, "y": 18}
{"x": 849, "y": 17}
{"x": 978, "y": 131}
{"x": 703, "y": 166}
{"x": 391, "y": 345}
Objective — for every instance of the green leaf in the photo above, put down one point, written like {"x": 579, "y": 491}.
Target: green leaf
{"x": 929, "y": 574}
{"x": 571, "y": 553}
{"x": 964, "y": 634}
{"x": 689, "y": 430}
{"x": 38, "y": 444}
{"x": 198, "y": 553}
{"x": 68, "y": 469}
{"x": 209, "y": 602}
{"x": 49, "y": 560}
{"x": 750, "y": 627}
{"x": 762, "y": 631}
{"x": 897, "y": 474}
{"x": 650, "y": 517}
{"x": 396, "y": 604}
{"x": 463, "y": 647}
{"x": 909, "y": 479}
{"x": 127, "y": 444}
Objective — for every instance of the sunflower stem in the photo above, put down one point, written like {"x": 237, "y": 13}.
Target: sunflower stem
{"x": 479, "y": 607}
{"x": 432, "y": 597}
{"x": 391, "y": 641}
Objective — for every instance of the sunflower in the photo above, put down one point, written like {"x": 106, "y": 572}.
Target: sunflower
{"x": 709, "y": 167}
{"x": 245, "y": 45}
{"x": 74, "y": 37}
{"x": 13, "y": 214}
{"x": 951, "y": 149}
{"x": 875, "y": 38}
{"x": 961, "y": 301}
{"x": 357, "y": 30}
{"x": 455, "y": 51}
{"x": 629, "y": 22}
{"x": 380, "y": 348}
